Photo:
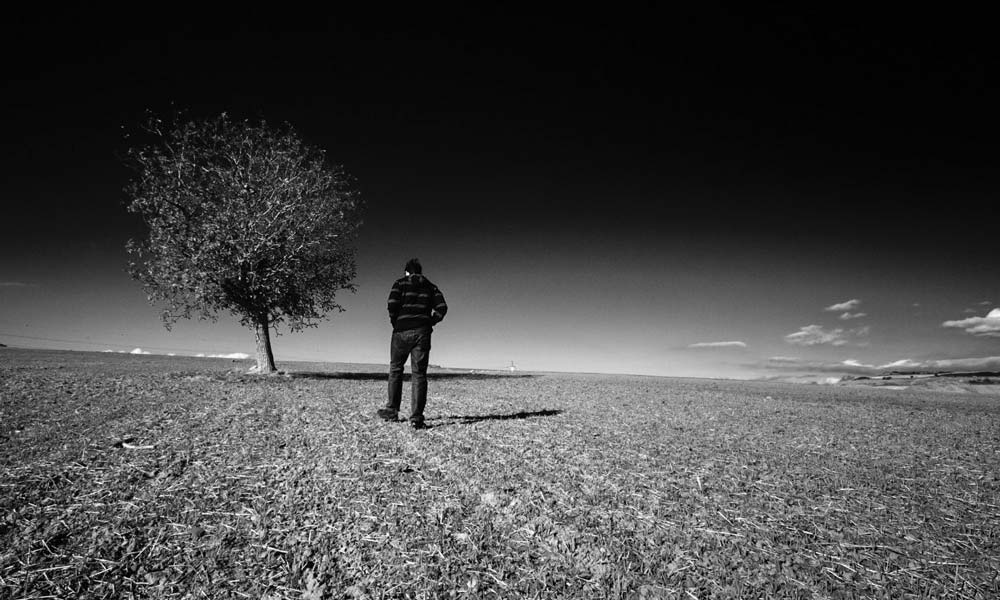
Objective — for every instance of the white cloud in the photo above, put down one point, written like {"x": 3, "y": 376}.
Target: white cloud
{"x": 988, "y": 326}
{"x": 18, "y": 284}
{"x": 784, "y": 359}
{"x": 234, "y": 355}
{"x": 734, "y": 344}
{"x": 815, "y": 335}
{"x": 903, "y": 363}
{"x": 900, "y": 364}
{"x": 841, "y": 306}
{"x": 847, "y": 316}
{"x": 985, "y": 303}
{"x": 987, "y": 363}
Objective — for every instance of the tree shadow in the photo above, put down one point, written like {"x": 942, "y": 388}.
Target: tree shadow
{"x": 470, "y": 419}
{"x": 406, "y": 376}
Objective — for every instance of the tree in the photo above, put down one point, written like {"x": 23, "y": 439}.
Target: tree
{"x": 242, "y": 217}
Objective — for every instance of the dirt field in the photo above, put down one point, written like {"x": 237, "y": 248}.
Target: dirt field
{"x": 153, "y": 477}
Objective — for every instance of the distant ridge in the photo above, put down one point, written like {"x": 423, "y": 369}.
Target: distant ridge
{"x": 926, "y": 374}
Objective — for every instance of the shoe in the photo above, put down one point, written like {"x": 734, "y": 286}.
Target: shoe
{"x": 417, "y": 425}
{"x": 386, "y": 414}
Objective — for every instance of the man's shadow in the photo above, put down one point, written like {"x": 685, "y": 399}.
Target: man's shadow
{"x": 406, "y": 376}
{"x": 470, "y": 419}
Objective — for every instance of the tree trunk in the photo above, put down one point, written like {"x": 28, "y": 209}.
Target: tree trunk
{"x": 265, "y": 359}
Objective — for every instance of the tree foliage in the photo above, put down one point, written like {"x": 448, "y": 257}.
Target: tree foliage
{"x": 243, "y": 217}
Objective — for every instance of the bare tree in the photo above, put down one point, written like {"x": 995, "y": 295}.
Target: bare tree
{"x": 243, "y": 217}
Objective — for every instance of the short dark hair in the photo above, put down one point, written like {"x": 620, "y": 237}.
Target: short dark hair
{"x": 413, "y": 266}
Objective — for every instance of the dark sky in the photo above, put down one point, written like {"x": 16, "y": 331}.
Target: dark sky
{"x": 593, "y": 191}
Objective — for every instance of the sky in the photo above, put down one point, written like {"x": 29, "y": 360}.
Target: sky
{"x": 710, "y": 193}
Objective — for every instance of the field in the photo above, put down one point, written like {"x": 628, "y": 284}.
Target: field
{"x": 153, "y": 477}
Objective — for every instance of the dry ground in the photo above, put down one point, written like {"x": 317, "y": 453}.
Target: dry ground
{"x": 153, "y": 477}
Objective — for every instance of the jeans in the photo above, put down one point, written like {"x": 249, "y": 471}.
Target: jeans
{"x": 415, "y": 344}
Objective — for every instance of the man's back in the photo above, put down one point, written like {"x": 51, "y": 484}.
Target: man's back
{"x": 415, "y": 302}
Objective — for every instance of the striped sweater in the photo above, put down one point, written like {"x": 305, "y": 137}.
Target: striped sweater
{"x": 415, "y": 302}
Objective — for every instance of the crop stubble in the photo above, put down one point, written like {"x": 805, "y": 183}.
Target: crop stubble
{"x": 157, "y": 477}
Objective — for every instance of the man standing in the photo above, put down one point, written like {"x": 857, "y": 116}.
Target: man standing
{"x": 415, "y": 306}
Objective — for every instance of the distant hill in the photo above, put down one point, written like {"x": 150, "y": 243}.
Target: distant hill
{"x": 977, "y": 382}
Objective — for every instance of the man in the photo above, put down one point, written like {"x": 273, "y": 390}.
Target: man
{"x": 415, "y": 306}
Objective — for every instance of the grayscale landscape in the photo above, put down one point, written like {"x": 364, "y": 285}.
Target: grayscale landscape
{"x": 707, "y": 296}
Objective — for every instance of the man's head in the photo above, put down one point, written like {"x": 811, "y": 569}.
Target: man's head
{"x": 413, "y": 267}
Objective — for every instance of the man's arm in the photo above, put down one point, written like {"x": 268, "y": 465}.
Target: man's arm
{"x": 440, "y": 306}
{"x": 395, "y": 302}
